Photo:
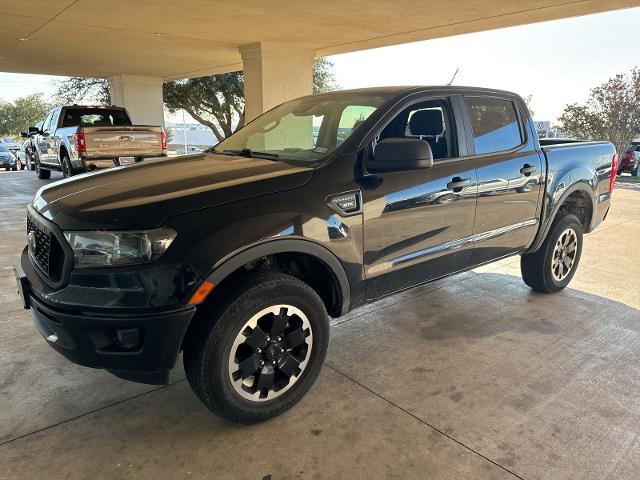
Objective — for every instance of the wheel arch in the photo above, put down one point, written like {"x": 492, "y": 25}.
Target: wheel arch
{"x": 306, "y": 256}
{"x": 577, "y": 199}
{"x": 62, "y": 152}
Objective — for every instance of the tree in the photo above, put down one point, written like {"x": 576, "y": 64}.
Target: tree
{"x": 82, "y": 89}
{"x": 612, "y": 112}
{"x": 216, "y": 101}
{"x": 19, "y": 115}
{"x": 324, "y": 80}
{"x": 527, "y": 101}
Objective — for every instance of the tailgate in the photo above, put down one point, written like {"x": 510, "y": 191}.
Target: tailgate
{"x": 135, "y": 141}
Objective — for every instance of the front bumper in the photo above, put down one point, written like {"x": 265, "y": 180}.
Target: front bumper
{"x": 138, "y": 346}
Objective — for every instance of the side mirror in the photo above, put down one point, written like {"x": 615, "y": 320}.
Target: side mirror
{"x": 33, "y": 131}
{"x": 399, "y": 154}
{"x": 24, "y": 134}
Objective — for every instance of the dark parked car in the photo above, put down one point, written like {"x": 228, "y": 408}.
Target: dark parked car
{"x": 7, "y": 158}
{"x": 29, "y": 145}
{"x": 237, "y": 256}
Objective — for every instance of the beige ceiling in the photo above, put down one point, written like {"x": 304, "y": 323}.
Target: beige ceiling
{"x": 187, "y": 38}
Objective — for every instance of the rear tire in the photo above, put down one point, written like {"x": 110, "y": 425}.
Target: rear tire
{"x": 230, "y": 354}
{"x": 552, "y": 267}
{"x": 42, "y": 173}
{"x": 67, "y": 169}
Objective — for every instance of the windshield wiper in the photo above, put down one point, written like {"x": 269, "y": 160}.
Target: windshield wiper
{"x": 247, "y": 152}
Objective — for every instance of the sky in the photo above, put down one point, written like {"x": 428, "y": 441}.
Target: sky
{"x": 556, "y": 62}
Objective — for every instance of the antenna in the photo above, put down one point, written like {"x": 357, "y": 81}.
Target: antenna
{"x": 454, "y": 76}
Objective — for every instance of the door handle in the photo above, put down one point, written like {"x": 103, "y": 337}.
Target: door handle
{"x": 457, "y": 184}
{"x": 527, "y": 169}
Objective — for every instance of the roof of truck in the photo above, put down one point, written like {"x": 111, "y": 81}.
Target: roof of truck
{"x": 399, "y": 89}
{"x": 110, "y": 107}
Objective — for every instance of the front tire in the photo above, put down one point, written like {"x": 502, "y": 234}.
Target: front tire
{"x": 551, "y": 268}
{"x": 42, "y": 173}
{"x": 257, "y": 354}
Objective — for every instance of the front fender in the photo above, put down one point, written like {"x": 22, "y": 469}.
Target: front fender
{"x": 235, "y": 260}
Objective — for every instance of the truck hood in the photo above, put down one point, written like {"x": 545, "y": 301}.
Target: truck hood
{"x": 142, "y": 196}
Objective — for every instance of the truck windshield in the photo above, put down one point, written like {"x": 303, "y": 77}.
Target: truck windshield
{"x": 304, "y": 129}
{"x": 95, "y": 117}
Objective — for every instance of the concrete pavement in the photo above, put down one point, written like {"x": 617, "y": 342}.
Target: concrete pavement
{"x": 473, "y": 376}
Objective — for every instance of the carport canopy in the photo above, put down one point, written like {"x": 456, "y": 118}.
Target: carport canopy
{"x": 137, "y": 45}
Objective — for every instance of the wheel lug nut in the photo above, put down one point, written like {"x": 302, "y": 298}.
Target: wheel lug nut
{"x": 282, "y": 350}
{"x": 274, "y": 363}
{"x": 279, "y": 339}
{"x": 258, "y": 350}
{"x": 261, "y": 363}
{"x": 268, "y": 339}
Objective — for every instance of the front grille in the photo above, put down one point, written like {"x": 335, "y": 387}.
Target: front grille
{"x": 48, "y": 254}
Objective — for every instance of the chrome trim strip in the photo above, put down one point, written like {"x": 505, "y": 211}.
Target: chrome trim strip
{"x": 478, "y": 237}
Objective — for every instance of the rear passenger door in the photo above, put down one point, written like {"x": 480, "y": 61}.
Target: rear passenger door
{"x": 510, "y": 173}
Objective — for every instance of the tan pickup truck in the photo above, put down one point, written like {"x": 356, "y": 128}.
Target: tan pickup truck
{"x": 76, "y": 139}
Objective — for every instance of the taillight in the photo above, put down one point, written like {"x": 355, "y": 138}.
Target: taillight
{"x": 78, "y": 140}
{"x": 163, "y": 135}
{"x": 614, "y": 171}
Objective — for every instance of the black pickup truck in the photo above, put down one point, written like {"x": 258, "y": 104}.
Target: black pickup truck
{"x": 238, "y": 255}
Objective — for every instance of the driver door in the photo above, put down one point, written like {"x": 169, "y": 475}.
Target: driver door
{"x": 418, "y": 223}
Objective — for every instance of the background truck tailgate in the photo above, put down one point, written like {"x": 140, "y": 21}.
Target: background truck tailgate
{"x": 123, "y": 141}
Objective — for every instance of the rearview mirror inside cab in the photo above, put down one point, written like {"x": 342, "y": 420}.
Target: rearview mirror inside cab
{"x": 399, "y": 154}
{"x": 33, "y": 130}
{"x": 24, "y": 134}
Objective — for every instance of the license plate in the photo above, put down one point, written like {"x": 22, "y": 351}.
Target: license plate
{"x": 127, "y": 160}
{"x": 22, "y": 284}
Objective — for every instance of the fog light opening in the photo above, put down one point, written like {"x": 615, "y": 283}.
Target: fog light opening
{"x": 128, "y": 338}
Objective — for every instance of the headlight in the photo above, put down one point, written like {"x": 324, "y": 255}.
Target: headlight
{"x": 106, "y": 249}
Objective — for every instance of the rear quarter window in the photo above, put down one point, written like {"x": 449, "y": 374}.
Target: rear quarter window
{"x": 495, "y": 124}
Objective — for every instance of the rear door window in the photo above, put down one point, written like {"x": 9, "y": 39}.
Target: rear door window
{"x": 495, "y": 124}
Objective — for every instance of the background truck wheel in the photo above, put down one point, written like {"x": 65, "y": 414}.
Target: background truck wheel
{"x": 257, "y": 354}
{"x": 31, "y": 164}
{"x": 42, "y": 173}
{"x": 552, "y": 267}
{"x": 67, "y": 169}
